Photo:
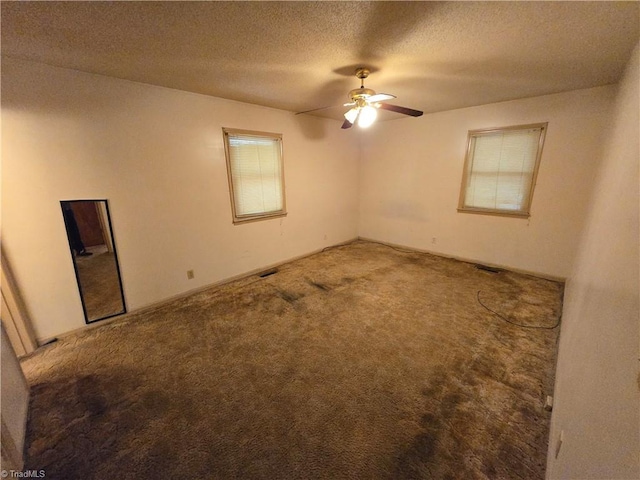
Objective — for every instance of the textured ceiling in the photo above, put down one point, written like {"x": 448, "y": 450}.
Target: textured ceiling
{"x": 298, "y": 56}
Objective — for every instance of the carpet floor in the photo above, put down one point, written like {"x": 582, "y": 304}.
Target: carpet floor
{"x": 360, "y": 362}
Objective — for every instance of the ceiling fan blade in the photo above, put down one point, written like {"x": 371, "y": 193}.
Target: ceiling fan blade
{"x": 347, "y": 124}
{"x": 316, "y": 109}
{"x": 380, "y": 97}
{"x": 403, "y": 110}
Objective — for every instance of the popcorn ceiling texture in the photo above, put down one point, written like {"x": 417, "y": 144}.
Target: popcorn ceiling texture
{"x": 296, "y": 56}
{"x": 362, "y": 361}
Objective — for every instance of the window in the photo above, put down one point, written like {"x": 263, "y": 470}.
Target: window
{"x": 256, "y": 177}
{"x": 500, "y": 170}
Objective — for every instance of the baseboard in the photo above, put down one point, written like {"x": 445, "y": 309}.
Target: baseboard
{"x": 544, "y": 276}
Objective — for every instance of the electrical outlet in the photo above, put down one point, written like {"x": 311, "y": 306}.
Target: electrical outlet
{"x": 189, "y": 274}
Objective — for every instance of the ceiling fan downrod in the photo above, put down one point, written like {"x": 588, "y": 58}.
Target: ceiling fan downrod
{"x": 362, "y": 73}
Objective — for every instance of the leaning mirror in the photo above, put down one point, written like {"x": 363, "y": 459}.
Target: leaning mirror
{"x": 88, "y": 226}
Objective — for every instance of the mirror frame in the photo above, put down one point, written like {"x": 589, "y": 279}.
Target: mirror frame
{"x": 115, "y": 256}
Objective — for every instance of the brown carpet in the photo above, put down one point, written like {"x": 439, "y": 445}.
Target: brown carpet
{"x": 361, "y": 362}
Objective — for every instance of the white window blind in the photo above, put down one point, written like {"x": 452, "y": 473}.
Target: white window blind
{"x": 255, "y": 173}
{"x": 500, "y": 170}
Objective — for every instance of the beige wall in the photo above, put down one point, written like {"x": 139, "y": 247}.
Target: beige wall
{"x": 597, "y": 398}
{"x": 157, "y": 155}
{"x": 411, "y": 172}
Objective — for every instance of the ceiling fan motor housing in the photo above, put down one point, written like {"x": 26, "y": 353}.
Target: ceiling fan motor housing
{"x": 360, "y": 93}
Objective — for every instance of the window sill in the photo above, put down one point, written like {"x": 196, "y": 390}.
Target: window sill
{"x": 256, "y": 218}
{"x": 499, "y": 213}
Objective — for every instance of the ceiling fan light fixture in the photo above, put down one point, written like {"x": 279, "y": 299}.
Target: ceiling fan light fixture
{"x": 367, "y": 116}
{"x": 351, "y": 115}
{"x": 366, "y": 102}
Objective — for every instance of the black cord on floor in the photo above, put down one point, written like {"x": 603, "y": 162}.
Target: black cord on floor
{"x": 502, "y": 317}
{"x": 514, "y": 323}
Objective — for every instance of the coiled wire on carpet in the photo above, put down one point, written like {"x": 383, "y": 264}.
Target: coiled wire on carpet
{"x": 502, "y": 317}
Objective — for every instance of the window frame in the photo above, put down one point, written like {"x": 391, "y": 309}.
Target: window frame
{"x": 240, "y": 219}
{"x": 525, "y": 211}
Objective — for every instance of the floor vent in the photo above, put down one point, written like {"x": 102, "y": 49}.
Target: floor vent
{"x": 487, "y": 268}
{"x": 269, "y": 272}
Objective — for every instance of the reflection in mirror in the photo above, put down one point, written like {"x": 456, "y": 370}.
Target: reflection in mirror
{"x": 95, "y": 260}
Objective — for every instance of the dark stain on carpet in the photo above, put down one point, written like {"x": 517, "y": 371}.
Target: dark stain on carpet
{"x": 289, "y": 296}
{"x": 417, "y": 457}
{"x": 90, "y": 396}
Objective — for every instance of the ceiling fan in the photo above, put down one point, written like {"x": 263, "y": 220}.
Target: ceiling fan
{"x": 365, "y": 103}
